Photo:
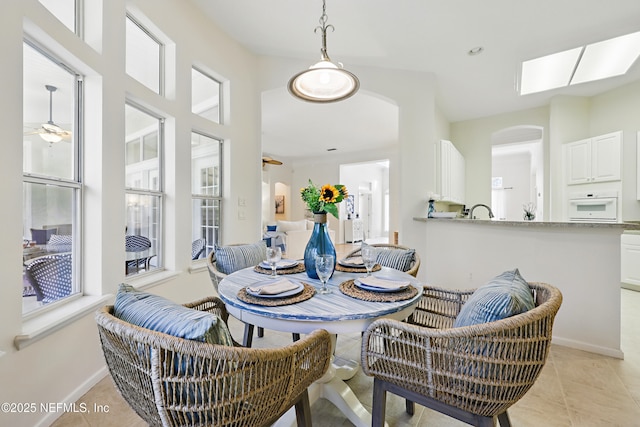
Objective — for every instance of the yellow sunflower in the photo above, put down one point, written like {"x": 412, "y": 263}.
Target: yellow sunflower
{"x": 329, "y": 193}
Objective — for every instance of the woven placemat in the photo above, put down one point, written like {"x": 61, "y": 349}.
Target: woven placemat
{"x": 299, "y": 268}
{"x": 340, "y": 267}
{"x": 306, "y": 293}
{"x": 349, "y": 288}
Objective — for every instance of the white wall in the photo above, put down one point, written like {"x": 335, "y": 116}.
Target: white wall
{"x": 61, "y": 366}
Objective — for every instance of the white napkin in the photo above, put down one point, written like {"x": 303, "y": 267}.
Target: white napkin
{"x": 274, "y": 288}
{"x": 376, "y": 282}
{"x": 356, "y": 261}
{"x": 285, "y": 263}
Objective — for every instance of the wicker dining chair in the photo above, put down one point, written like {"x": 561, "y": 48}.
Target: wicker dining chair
{"x": 414, "y": 264}
{"x": 198, "y": 247}
{"x": 135, "y": 243}
{"x": 472, "y": 373}
{"x": 50, "y": 276}
{"x": 216, "y": 277}
{"x": 170, "y": 381}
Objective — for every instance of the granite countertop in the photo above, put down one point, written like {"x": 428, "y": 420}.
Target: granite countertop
{"x": 622, "y": 225}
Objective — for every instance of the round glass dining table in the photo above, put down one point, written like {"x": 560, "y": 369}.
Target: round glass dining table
{"x": 335, "y": 312}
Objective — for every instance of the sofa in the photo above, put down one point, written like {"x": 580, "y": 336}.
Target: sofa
{"x": 296, "y": 235}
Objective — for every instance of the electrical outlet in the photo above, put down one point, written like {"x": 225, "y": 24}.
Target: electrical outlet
{"x": 241, "y": 214}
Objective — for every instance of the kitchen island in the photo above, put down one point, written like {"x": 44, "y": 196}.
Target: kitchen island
{"x": 580, "y": 259}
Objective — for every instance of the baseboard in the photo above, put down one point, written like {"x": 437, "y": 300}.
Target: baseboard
{"x": 579, "y": 345}
{"x": 75, "y": 396}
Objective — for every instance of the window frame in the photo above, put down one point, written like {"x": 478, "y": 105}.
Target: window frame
{"x": 161, "y": 56}
{"x": 220, "y": 119}
{"x": 219, "y": 199}
{"x": 159, "y": 193}
{"x": 75, "y": 183}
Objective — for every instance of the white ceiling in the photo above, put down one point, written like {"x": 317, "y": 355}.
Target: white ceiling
{"x": 418, "y": 35}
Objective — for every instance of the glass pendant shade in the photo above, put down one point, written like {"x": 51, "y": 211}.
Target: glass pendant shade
{"x": 51, "y": 137}
{"x": 52, "y": 132}
{"x": 324, "y": 82}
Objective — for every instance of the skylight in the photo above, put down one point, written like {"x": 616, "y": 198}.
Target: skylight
{"x": 596, "y": 61}
{"x": 548, "y": 72}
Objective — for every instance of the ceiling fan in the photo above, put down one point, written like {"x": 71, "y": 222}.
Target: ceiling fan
{"x": 50, "y": 131}
{"x": 266, "y": 160}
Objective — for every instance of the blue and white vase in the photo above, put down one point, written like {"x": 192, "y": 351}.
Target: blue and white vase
{"x": 319, "y": 244}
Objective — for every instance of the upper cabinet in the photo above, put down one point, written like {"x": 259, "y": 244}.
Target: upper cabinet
{"x": 596, "y": 159}
{"x": 450, "y": 174}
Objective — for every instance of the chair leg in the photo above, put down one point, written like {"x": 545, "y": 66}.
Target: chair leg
{"x": 247, "y": 339}
{"x": 484, "y": 421}
{"x": 410, "y": 406}
{"x": 303, "y": 410}
{"x": 260, "y": 332}
{"x": 503, "y": 418}
{"x": 379, "y": 404}
{"x": 296, "y": 336}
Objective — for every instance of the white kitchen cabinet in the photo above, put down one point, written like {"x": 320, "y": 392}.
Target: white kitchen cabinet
{"x": 450, "y": 173}
{"x": 353, "y": 230}
{"x": 630, "y": 259}
{"x": 597, "y": 159}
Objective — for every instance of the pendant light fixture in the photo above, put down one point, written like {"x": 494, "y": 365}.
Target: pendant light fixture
{"x": 324, "y": 81}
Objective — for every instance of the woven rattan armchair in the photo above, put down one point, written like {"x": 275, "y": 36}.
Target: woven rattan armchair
{"x": 415, "y": 264}
{"x": 215, "y": 274}
{"x": 171, "y": 381}
{"x": 472, "y": 373}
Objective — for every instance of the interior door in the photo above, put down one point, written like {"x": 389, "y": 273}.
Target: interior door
{"x": 365, "y": 213}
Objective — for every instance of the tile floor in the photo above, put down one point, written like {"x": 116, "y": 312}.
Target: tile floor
{"x": 575, "y": 389}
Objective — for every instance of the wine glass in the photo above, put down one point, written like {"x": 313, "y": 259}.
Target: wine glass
{"x": 274, "y": 254}
{"x": 369, "y": 257}
{"x": 324, "y": 268}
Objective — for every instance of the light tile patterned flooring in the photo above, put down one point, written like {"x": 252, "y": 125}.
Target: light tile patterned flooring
{"x": 575, "y": 389}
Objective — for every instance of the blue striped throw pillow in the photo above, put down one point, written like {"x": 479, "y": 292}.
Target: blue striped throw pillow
{"x": 503, "y": 296}
{"x": 398, "y": 259}
{"x": 236, "y": 257}
{"x": 162, "y": 315}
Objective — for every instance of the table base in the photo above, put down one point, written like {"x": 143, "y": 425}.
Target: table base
{"x": 333, "y": 388}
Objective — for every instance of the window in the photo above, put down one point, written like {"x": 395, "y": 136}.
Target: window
{"x": 144, "y": 56}
{"x": 205, "y": 96}
{"x": 144, "y": 189}
{"x": 51, "y": 180}
{"x": 65, "y": 11}
{"x": 206, "y": 189}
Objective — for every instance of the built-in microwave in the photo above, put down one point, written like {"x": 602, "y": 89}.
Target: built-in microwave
{"x": 593, "y": 207}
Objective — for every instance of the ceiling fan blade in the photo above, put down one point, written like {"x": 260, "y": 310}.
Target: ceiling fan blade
{"x": 270, "y": 161}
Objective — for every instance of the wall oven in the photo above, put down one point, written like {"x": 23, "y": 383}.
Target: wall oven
{"x": 594, "y": 207}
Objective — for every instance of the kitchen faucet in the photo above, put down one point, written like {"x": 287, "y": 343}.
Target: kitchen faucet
{"x": 480, "y": 204}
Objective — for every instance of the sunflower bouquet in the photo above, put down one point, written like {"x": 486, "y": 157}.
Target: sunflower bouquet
{"x": 324, "y": 199}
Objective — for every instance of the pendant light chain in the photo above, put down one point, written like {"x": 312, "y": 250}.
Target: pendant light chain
{"x": 323, "y": 28}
